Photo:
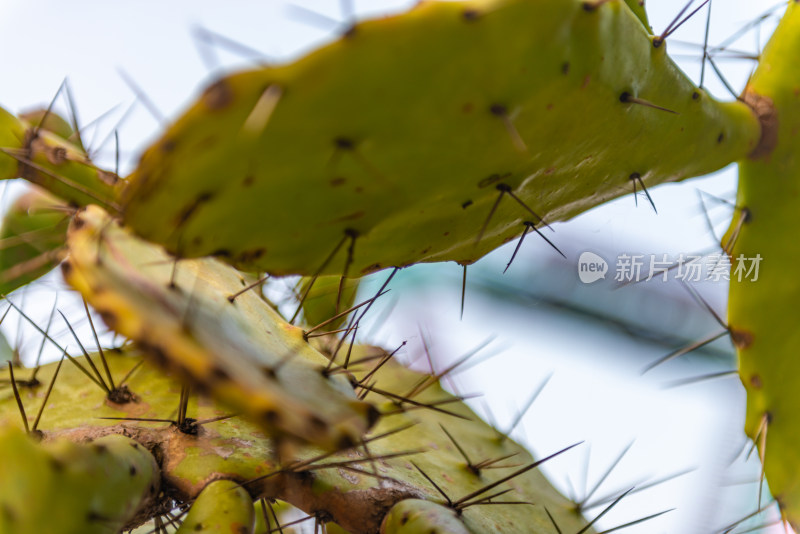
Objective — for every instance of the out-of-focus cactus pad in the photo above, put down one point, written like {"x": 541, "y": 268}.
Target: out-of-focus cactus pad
{"x": 242, "y": 352}
{"x": 765, "y": 288}
{"x": 32, "y": 239}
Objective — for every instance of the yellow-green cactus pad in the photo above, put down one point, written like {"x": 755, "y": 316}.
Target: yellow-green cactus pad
{"x": 223, "y": 507}
{"x": 242, "y": 352}
{"x": 765, "y": 287}
{"x": 45, "y": 158}
{"x": 32, "y": 239}
{"x": 69, "y": 488}
{"x": 429, "y": 136}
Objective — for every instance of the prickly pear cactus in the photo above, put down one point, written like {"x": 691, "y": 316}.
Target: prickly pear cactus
{"x": 761, "y": 311}
{"x": 438, "y": 134}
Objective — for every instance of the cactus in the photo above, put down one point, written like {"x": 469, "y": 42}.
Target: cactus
{"x": 760, "y": 321}
{"x": 225, "y": 407}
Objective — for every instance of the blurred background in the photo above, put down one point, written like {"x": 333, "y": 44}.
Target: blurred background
{"x": 536, "y": 323}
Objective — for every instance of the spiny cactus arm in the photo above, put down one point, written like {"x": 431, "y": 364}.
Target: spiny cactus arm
{"x": 223, "y": 507}
{"x": 186, "y": 317}
{"x": 32, "y": 239}
{"x": 432, "y": 135}
{"x": 762, "y": 312}
{"x": 50, "y": 161}
{"x": 93, "y": 488}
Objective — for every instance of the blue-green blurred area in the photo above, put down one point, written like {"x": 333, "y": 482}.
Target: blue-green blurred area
{"x": 539, "y": 323}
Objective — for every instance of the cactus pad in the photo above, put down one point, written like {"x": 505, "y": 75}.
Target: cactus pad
{"x": 397, "y": 143}
{"x": 762, "y": 312}
{"x": 241, "y": 351}
{"x": 32, "y": 239}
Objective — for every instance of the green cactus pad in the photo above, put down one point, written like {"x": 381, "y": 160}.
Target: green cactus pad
{"x": 48, "y": 160}
{"x": 223, "y": 507}
{"x": 396, "y": 142}
{"x": 242, "y": 351}
{"x": 762, "y": 313}
{"x": 69, "y": 488}
{"x": 32, "y": 239}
